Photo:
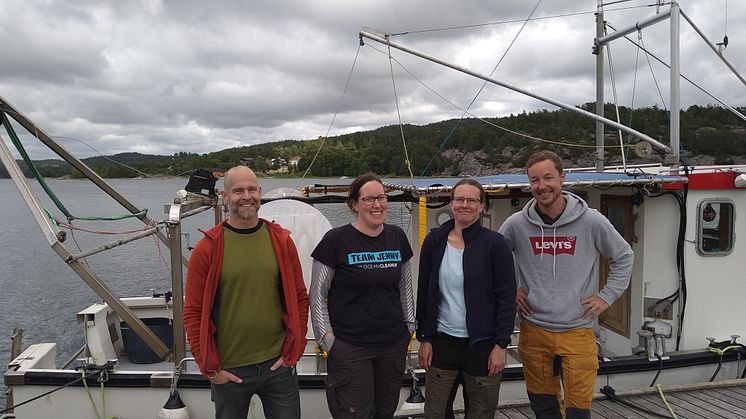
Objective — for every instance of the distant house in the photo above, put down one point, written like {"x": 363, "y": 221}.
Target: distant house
{"x": 246, "y": 161}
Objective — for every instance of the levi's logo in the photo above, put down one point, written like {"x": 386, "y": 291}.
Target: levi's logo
{"x": 553, "y": 245}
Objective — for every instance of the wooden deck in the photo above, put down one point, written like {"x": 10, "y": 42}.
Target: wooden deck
{"x": 725, "y": 399}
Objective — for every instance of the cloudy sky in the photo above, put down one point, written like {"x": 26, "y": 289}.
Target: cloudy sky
{"x": 162, "y": 77}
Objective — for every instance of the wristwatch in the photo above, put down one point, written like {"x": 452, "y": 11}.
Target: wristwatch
{"x": 503, "y": 343}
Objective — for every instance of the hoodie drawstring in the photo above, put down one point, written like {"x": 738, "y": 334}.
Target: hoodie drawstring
{"x": 554, "y": 259}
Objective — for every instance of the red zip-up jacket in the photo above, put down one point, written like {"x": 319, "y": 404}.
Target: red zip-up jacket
{"x": 203, "y": 276}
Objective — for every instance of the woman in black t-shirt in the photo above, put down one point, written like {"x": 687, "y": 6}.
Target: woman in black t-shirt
{"x": 362, "y": 307}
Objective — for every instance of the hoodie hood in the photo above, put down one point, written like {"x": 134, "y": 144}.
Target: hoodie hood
{"x": 574, "y": 209}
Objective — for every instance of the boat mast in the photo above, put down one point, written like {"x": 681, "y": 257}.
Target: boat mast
{"x": 673, "y": 159}
{"x": 599, "y": 51}
{"x": 672, "y": 155}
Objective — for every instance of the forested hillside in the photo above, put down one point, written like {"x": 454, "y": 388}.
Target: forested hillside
{"x": 471, "y": 146}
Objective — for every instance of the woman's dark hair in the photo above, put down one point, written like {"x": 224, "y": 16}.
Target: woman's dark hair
{"x": 472, "y": 182}
{"x": 354, "y": 193}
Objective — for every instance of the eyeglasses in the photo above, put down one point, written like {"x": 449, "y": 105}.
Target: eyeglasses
{"x": 466, "y": 201}
{"x": 368, "y": 200}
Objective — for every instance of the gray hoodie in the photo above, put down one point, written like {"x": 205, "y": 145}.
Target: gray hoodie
{"x": 557, "y": 265}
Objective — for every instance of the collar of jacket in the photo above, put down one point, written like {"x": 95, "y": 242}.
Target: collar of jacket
{"x": 469, "y": 232}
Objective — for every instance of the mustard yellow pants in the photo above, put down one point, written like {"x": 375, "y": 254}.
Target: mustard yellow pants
{"x": 539, "y": 349}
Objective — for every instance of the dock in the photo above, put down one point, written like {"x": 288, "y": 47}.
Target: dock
{"x": 723, "y": 399}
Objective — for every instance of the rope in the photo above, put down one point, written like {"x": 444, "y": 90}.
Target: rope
{"x": 668, "y": 406}
{"x": 39, "y": 178}
{"x": 30, "y": 164}
{"x": 481, "y": 88}
{"x": 398, "y": 114}
{"x": 90, "y": 397}
{"x": 336, "y": 112}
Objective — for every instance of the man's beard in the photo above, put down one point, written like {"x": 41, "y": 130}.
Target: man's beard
{"x": 246, "y": 213}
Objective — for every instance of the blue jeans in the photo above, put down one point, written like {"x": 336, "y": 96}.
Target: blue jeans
{"x": 278, "y": 391}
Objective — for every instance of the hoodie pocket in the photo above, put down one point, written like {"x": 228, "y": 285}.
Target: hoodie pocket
{"x": 555, "y": 306}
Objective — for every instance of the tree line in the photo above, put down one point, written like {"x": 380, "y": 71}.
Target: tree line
{"x": 445, "y": 147}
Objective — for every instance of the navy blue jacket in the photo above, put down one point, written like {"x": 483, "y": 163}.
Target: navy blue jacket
{"x": 489, "y": 283}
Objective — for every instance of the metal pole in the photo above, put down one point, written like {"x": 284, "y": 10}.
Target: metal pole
{"x": 177, "y": 281}
{"x": 81, "y": 269}
{"x": 599, "y": 51}
{"x": 675, "y": 86}
{"x": 712, "y": 47}
{"x": 381, "y": 39}
{"x": 634, "y": 28}
{"x": 113, "y": 244}
{"x": 16, "y": 343}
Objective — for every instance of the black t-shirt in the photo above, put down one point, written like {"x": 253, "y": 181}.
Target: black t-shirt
{"x": 364, "y": 299}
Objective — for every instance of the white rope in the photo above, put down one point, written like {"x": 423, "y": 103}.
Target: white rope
{"x": 398, "y": 114}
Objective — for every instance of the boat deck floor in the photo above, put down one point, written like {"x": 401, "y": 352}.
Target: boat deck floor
{"x": 725, "y": 399}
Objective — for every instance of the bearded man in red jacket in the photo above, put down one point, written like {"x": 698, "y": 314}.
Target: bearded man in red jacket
{"x": 246, "y": 307}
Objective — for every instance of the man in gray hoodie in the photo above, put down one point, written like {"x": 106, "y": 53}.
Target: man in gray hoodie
{"x": 556, "y": 241}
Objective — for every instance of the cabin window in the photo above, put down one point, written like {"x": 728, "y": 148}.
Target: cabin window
{"x": 715, "y": 220}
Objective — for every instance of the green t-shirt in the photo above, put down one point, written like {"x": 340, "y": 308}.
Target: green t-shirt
{"x": 250, "y": 328}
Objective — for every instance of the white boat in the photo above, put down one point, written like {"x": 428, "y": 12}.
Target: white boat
{"x": 686, "y": 291}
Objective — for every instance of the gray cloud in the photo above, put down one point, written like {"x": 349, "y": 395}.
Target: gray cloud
{"x": 162, "y": 77}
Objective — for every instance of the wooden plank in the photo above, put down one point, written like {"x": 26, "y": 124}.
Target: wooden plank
{"x": 679, "y": 410}
{"x": 714, "y": 405}
{"x": 730, "y": 392}
{"x": 738, "y": 389}
{"x": 611, "y": 409}
{"x": 680, "y": 399}
{"x": 513, "y": 413}
{"x": 657, "y": 408}
{"x": 525, "y": 410}
{"x": 729, "y": 403}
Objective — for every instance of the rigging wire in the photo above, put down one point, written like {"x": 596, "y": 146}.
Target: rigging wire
{"x": 616, "y": 102}
{"x": 634, "y": 86}
{"x": 520, "y": 134}
{"x": 57, "y": 137}
{"x": 652, "y": 72}
{"x": 700, "y": 88}
{"x": 481, "y": 88}
{"x": 336, "y": 112}
{"x": 398, "y": 114}
{"x": 504, "y": 22}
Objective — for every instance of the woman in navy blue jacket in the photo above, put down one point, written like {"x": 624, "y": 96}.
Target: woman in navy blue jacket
{"x": 465, "y": 306}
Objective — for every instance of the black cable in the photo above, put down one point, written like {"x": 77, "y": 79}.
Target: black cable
{"x": 49, "y": 392}
{"x": 611, "y": 394}
{"x": 717, "y": 370}
{"x": 660, "y": 368}
{"x": 681, "y": 292}
{"x": 97, "y": 369}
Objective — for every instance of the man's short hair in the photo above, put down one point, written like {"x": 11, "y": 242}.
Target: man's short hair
{"x": 542, "y": 155}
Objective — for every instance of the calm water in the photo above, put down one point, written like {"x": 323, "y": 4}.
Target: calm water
{"x": 40, "y": 293}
